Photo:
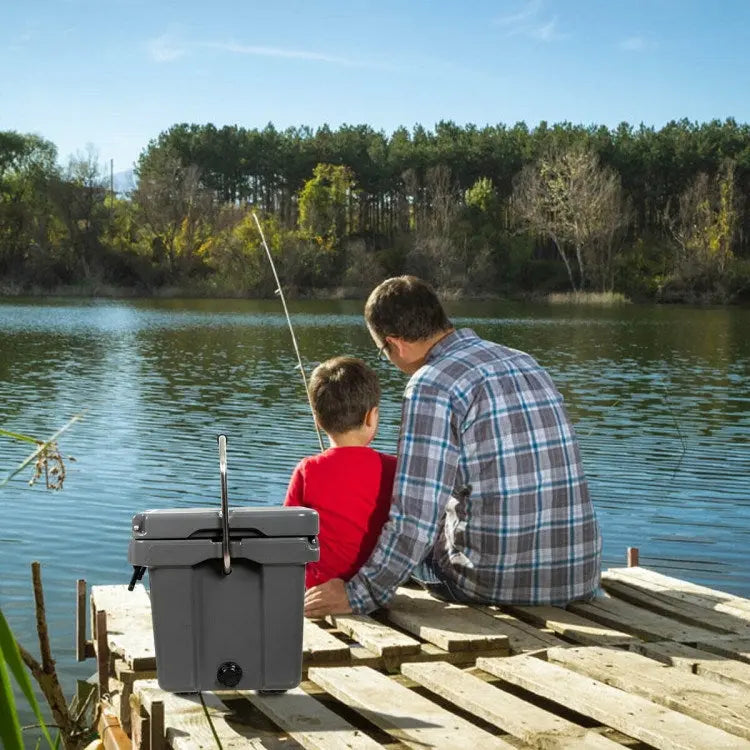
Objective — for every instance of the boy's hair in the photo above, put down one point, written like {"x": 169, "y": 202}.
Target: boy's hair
{"x": 342, "y": 391}
{"x": 406, "y": 307}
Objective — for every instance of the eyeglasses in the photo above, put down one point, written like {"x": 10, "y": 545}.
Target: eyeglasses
{"x": 383, "y": 353}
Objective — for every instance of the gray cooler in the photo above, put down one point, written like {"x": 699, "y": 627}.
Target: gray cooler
{"x": 214, "y": 631}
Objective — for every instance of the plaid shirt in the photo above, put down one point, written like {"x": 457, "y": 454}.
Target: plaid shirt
{"x": 489, "y": 479}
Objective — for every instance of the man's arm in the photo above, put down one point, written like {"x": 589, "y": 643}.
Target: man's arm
{"x": 427, "y": 461}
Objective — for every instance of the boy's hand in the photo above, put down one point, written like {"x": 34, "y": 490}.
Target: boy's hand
{"x": 328, "y": 598}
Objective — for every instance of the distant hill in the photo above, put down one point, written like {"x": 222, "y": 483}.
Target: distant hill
{"x": 124, "y": 182}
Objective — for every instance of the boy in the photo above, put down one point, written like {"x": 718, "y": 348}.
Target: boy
{"x": 349, "y": 484}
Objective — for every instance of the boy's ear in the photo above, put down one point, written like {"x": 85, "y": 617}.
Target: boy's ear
{"x": 371, "y": 417}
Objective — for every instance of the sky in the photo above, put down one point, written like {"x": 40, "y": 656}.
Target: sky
{"x": 111, "y": 75}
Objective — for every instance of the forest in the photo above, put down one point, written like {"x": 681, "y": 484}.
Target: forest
{"x": 632, "y": 212}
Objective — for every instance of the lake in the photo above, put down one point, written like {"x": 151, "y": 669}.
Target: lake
{"x": 659, "y": 396}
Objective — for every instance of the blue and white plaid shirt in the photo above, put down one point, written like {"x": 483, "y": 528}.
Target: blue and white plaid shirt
{"x": 489, "y": 479}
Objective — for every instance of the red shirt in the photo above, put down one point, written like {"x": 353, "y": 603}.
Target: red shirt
{"x": 350, "y": 487}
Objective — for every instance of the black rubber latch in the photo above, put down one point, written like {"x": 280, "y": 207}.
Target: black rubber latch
{"x": 138, "y": 571}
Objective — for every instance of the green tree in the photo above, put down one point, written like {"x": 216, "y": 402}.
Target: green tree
{"x": 569, "y": 199}
{"x": 27, "y": 167}
{"x": 175, "y": 208}
{"x": 80, "y": 198}
{"x": 704, "y": 225}
{"x": 323, "y": 205}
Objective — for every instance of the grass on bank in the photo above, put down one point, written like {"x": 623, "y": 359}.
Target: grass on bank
{"x": 587, "y": 298}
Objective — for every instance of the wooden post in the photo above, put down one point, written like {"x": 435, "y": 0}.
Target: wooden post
{"x": 102, "y": 652}
{"x": 156, "y": 720}
{"x": 81, "y": 619}
{"x": 140, "y": 732}
{"x": 45, "y": 673}
{"x": 632, "y": 557}
{"x": 127, "y": 678}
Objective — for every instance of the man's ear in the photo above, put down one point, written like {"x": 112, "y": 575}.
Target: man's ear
{"x": 396, "y": 344}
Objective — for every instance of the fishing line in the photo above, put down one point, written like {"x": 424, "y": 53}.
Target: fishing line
{"x": 210, "y": 723}
{"x": 280, "y": 292}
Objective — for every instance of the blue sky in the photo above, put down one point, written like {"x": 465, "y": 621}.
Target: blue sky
{"x": 114, "y": 74}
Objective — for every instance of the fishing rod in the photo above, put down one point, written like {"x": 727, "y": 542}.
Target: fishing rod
{"x": 280, "y": 292}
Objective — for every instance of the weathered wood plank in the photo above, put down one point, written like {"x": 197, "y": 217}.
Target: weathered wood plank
{"x": 130, "y": 632}
{"x": 637, "y": 593}
{"x": 406, "y": 715}
{"x": 696, "y": 661}
{"x": 362, "y": 657}
{"x": 631, "y": 714}
{"x": 309, "y": 722}
{"x": 648, "y": 626}
{"x": 186, "y": 726}
{"x": 675, "y": 588}
{"x": 718, "y": 705}
{"x": 319, "y": 646}
{"x": 572, "y": 626}
{"x": 452, "y": 627}
{"x": 376, "y": 636}
{"x": 734, "y": 648}
{"x": 531, "y": 724}
{"x": 112, "y": 735}
{"x": 522, "y": 637}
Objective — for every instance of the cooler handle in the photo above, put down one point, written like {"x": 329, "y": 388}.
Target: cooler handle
{"x": 222, "y": 439}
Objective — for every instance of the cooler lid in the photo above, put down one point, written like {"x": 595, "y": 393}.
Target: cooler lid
{"x": 202, "y": 523}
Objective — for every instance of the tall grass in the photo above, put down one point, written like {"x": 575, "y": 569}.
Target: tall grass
{"x": 588, "y": 298}
{"x": 11, "y": 663}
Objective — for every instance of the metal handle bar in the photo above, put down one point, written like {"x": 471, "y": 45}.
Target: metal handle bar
{"x": 224, "y": 504}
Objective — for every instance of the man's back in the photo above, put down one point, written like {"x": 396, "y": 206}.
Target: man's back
{"x": 519, "y": 526}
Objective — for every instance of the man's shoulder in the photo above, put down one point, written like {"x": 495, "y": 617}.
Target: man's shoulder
{"x": 468, "y": 358}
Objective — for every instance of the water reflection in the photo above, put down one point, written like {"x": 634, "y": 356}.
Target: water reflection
{"x": 659, "y": 396}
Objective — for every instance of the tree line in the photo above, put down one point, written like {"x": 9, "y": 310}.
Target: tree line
{"x": 651, "y": 213}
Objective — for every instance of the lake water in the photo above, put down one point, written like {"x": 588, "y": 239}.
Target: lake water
{"x": 659, "y": 395}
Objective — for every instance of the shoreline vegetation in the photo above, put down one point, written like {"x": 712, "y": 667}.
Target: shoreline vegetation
{"x": 596, "y": 215}
{"x": 593, "y": 299}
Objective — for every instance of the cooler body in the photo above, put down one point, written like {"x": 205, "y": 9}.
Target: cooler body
{"x": 239, "y": 631}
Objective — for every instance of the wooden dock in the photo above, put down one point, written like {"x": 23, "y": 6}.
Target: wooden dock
{"x": 656, "y": 662}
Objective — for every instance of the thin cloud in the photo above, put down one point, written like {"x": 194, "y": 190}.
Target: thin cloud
{"x": 529, "y": 12}
{"x": 21, "y": 42}
{"x": 169, "y": 47}
{"x": 245, "y": 49}
{"x": 531, "y": 22}
{"x": 635, "y": 44}
{"x": 548, "y": 32}
{"x": 165, "y": 48}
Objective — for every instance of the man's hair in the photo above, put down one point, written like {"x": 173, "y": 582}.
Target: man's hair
{"x": 342, "y": 391}
{"x": 405, "y": 307}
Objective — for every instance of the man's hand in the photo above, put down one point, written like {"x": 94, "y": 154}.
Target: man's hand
{"x": 328, "y": 598}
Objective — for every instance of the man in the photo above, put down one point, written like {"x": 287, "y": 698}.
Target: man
{"x": 490, "y": 501}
